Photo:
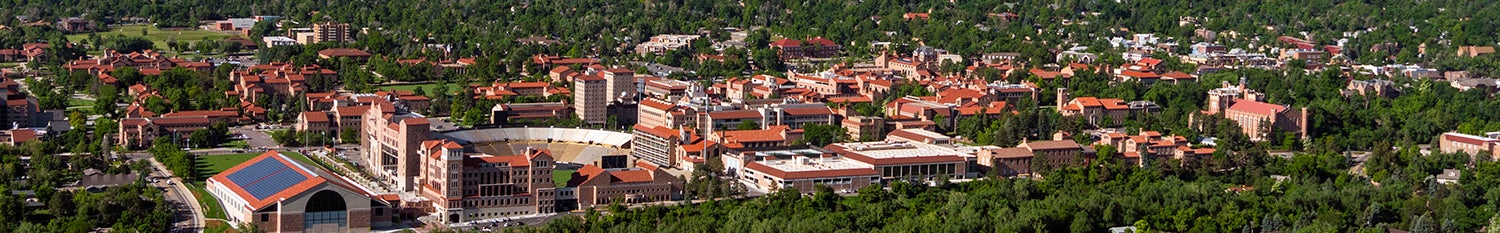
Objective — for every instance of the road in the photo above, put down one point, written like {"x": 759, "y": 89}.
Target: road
{"x": 180, "y": 197}
{"x": 660, "y": 69}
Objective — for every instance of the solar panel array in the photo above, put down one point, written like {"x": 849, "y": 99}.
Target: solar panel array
{"x": 266, "y": 177}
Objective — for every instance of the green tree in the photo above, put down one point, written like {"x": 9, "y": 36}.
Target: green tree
{"x": 821, "y": 135}
{"x": 747, "y": 125}
{"x": 350, "y": 135}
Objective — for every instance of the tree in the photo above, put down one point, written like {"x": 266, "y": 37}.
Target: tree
{"x": 821, "y": 135}
{"x": 747, "y": 125}
{"x": 263, "y": 28}
{"x": 104, "y": 102}
{"x": 123, "y": 44}
{"x": 1424, "y": 225}
{"x": 61, "y": 203}
{"x": 350, "y": 135}
{"x": 1494, "y": 226}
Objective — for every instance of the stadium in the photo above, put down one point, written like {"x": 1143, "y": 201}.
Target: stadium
{"x": 579, "y": 146}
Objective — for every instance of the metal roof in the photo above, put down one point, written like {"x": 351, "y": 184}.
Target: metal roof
{"x": 267, "y": 177}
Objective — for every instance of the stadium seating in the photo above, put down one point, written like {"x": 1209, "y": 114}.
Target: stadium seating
{"x": 567, "y": 144}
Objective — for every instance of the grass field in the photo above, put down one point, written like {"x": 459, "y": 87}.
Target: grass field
{"x": 304, "y": 159}
{"x": 211, "y": 208}
{"x": 217, "y": 226}
{"x": 561, "y": 177}
{"x": 210, "y": 165}
{"x": 242, "y": 144}
{"x": 76, "y": 102}
{"x": 157, "y": 36}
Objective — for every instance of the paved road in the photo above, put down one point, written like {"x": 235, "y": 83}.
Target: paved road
{"x": 660, "y": 69}
{"x": 181, "y": 199}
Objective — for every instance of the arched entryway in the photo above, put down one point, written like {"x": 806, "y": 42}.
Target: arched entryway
{"x": 325, "y": 207}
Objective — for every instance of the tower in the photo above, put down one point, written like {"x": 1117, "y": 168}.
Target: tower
{"x": 1062, "y": 97}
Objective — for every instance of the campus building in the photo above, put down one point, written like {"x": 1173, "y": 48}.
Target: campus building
{"x": 468, "y": 186}
{"x": 804, "y": 172}
{"x": 591, "y": 99}
{"x": 280, "y": 194}
{"x": 391, "y": 137}
{"x": 906, "y": 160}
{"x": 1473, "y": 145}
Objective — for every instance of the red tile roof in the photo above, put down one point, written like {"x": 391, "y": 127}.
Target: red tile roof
{"x": 316, "y": 116}
{"x": 630, "y": 176}
{"x": 1011, "y": 152}
{"x": 786, "y": 43}
{"x": 1256, "y": 107}
{"x": 656, "y": 104}
{"x": 528, "y": 85}
{"x": 734, "y": 114}
{"x": 1178, "y": 75}
{"x": 1139, "y": 74}
{"x": 416, "y": 121}
{"x": 658, "y": 131}
{"x": 1051, "y": 145}
{"x": 351, "y": 111}
{"x": 773, "y": 134}
{"x": 343, "y": 52}
{"x": 1151, "y": 62}
{"x": 808, "y": 111}
{"x": 22, "y": 135}
{"x": 821, "y": 41}
{"x": 1468, "y": 139}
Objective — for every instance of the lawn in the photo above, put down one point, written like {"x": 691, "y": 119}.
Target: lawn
{"x": 157, "y": 36}
{"x": 304, "y": 159}
{"x": 429, "y": 87}
{"x": 217, "y": 226}
{"x": 242, "y": 144}
{"x": 76, "y": 102}
{"x": 81, "y": 105}
{"x": 210, "y": 165}
{"x": 211, "y": 208}
{"x": 561, "y": 177}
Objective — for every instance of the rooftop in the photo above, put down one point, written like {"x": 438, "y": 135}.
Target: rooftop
{"x": 883, "y": 153}
{"x": 812, "y": 167}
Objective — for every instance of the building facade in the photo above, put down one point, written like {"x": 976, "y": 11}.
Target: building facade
{"x": 591, "y": 99}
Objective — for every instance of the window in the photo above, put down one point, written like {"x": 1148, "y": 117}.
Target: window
{"x": 265, "y": 217}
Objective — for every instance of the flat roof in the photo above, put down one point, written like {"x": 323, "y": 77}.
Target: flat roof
{"x": 784, "y": 153}
{"x": 813, "y": 164}
{"x": 887, "y": 153}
